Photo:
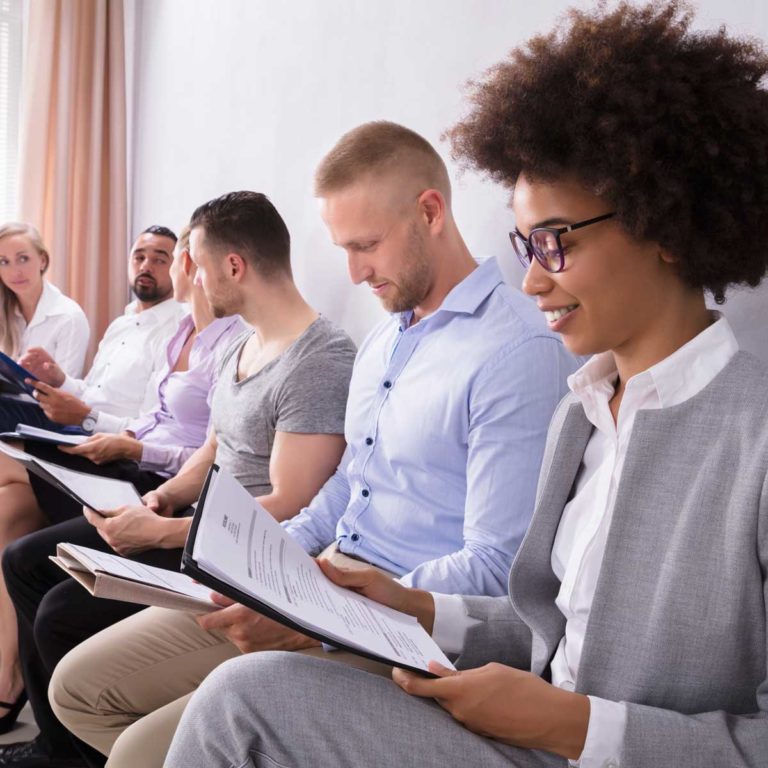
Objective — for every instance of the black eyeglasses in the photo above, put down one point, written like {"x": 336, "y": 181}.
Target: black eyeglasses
{"x": 544, "y": 243}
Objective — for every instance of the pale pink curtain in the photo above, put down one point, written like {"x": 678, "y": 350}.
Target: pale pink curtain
{"x": 73, "y": 154}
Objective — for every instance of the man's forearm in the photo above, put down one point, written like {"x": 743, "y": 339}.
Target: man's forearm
{"x": 174, "y": 532}
{"x": 184, "y": 489}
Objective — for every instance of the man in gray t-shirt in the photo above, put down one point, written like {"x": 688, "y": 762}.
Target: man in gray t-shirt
{"x": 302, "y": 391}
{"x": 277, "y": 414}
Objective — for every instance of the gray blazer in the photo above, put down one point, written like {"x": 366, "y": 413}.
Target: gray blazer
{"x": 678, "y": 623}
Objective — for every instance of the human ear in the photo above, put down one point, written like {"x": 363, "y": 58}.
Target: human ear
{"x": 665, "y": 256}
{"x": 187, "y": 265}
{"x": 234, "y": 264}
{"x": 432, "y": 208}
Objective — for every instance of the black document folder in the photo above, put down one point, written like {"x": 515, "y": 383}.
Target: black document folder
{"x": 411, "y": 639}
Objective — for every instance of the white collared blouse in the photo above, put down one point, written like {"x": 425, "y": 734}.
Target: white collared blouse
{"x": 60, "y": 327}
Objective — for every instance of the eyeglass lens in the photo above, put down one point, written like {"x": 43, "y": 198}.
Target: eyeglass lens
{"x": 547, "y": 249}
{"x": 543, "y": 245}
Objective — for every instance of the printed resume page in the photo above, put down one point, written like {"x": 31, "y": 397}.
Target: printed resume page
{"x": 240, "y": 543}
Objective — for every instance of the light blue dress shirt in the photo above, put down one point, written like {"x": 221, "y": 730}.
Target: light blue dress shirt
{"x": 445, "y": 425}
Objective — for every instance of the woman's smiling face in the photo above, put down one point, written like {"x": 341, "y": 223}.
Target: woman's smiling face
{"x": 612, "y": 287}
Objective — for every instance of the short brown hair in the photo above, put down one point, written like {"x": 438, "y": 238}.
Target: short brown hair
{"x": 249, "y": 224}
{"x": 668, "y": 125}
{"x": 380, "y": 148}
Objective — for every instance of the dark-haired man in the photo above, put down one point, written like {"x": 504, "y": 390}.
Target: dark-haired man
{"x": 277, "y": 422}
{"x": 634, "y": 632}
{"x": 120, "y": 384}
{"x": 448, "y": 408}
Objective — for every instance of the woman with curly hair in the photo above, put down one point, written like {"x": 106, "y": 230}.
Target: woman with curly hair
{"x": 636, "y": 630}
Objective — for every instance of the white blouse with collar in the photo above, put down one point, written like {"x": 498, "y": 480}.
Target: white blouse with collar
{"x": 60, "y": 327}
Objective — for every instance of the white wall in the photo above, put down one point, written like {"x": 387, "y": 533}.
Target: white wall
{"x": 249, "y": 94}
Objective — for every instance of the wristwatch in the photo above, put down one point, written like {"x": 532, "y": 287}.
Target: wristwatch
{"x": 89, "y": 422}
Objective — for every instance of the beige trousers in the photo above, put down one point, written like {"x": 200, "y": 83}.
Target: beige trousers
{"x": 124, "y": 690}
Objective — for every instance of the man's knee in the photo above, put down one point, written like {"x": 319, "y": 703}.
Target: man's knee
{"x": 16, "y": 559}
{"x": 50, "y": 625}
{"x": 68, "y": 697}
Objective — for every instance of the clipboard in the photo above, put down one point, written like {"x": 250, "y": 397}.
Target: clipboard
{"x": 39, "y": 467}
{"x": 193, "y": 569}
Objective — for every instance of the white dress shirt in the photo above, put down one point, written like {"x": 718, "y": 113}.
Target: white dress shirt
{"x": 579, "y": 547}
{"x": 59, "y": 326}
{"x": 124, "y": 377}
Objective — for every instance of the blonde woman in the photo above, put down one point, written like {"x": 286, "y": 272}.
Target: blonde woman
{"x": 34, "y": 313}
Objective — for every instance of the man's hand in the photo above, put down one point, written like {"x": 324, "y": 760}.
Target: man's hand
{"x": 159, "y": 503}
{"x": 250, "y": 631}
{"x": 507, "y": 704}
{"x": 59, "y": 406}
{"x": 382, "y": 589}
{"x": 128, "y": 530}
{"x": 39, "y": 363}
{"x": 101, "y": 448}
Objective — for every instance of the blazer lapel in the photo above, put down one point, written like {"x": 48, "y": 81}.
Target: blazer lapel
{"x": 533, "y": 586}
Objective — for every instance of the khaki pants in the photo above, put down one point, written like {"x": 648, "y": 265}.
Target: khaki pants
{"x": 124, "y": 690}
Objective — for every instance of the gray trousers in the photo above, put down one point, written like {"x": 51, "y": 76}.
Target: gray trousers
{"x": 283, "y": 710}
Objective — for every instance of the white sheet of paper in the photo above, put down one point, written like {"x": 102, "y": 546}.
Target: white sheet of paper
{"x": 239, "y": 542}
{"x": 100, "y": 493}
{"x": 145, "y": 574}
{"x": 27, "y": 430}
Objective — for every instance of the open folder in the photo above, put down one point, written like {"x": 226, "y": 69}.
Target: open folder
{"x": 118, "y": 578}
{"x": 100, "y": 494}
{"x": 238, "y": 549}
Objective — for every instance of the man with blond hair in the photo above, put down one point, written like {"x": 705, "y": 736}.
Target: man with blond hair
{"x": 448, "y": 409}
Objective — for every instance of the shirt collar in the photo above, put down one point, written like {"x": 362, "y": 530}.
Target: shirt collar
{"x": 157, "y": 312}
{"x": 674, "y": 379}
{"x": 215, "y": 330}
{"x": 51, "y": 303}
{"x": 468, "y": 295}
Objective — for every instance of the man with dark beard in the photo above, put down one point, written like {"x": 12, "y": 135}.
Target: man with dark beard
{"x": 121, "y": 382}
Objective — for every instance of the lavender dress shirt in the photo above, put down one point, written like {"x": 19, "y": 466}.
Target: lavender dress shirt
{"x": 178, "y": 426}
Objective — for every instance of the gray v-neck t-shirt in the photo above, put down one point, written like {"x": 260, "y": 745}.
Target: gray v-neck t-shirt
{"x": 303, "y": 390}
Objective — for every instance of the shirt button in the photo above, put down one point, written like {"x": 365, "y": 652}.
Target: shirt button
{"x": 369, "y": 441}
{"x": 387, "y": 384}
{"x": 354, "y": 537}
{"x": 366, "y": 493}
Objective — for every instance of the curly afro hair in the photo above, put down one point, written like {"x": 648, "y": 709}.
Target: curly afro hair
{"x": 668, "y": 125}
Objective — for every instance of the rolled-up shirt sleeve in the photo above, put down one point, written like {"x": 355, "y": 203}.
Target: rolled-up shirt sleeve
{"x": 164, "y": 459}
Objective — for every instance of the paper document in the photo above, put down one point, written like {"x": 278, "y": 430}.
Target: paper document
{"x": 240, "y": 543}
{"x": 133, "y": 571}
{"x": 98, "y": 493}
{"x": 28, "y": 432}
{"x": 116, "y": 578}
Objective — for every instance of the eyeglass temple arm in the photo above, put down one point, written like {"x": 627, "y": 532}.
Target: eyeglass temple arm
{"x": 571, "y": 227}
